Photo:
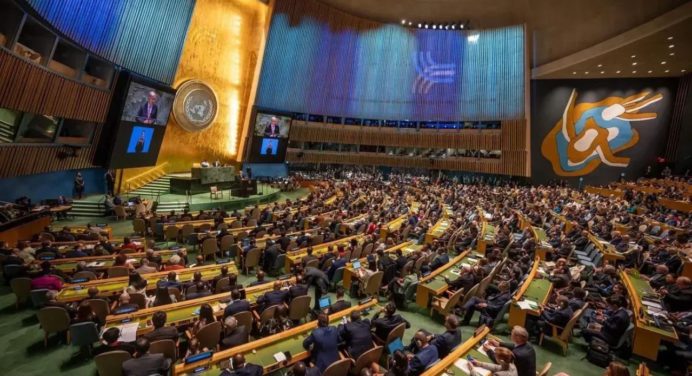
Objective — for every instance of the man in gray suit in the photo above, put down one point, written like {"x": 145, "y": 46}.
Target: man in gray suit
{"x": 144, "y": 364}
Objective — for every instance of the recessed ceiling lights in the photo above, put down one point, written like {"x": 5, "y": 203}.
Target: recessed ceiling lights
{"x": 574, "y": 72}
{"x": 600, "y": 65}
{"x": 634, "y": 63}
{"x": 651, "y": 71}
{"x": 618, "y": 72}
{"x": 634, "y": 71}
{"x": 671, "y": 45}
{"x": 419, "y": 26}
{"x": 670, "y": 37}
{"x": 602, "y": 71}
{"x": 671, "y": 54}
{"x": 667, "y": 70}
{"x": 403, "y": 22}
{"x": 410, "y": 23}
{"x": 663, "y": 62}
{"x": 633, "y": 56}
{"x": 683, "y": 70}
{"x": 434, "y": 27}
{"x": 453, "y": 26}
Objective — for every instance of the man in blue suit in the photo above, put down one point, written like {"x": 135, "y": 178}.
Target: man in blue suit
{"x": 323, "y": 343}
{"x": 426, "y": 356}
{"x": 236, "y": 305}
{"x": 274, "y": 297}
{"x": 356, "y": 335}
{"x": 149, "y": 110}
{"x": 339, "y": 262}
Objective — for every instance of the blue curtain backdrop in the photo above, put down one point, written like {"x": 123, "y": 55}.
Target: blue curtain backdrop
{"x": 322, "y": 61}
{"x": 145, "y": 36}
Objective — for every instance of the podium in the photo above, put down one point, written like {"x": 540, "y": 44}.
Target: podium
{"x": 201, "y": 179}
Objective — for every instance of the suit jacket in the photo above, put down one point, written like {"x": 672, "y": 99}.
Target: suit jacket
{"x": 465, "y": 281}
{"x": 524, "y": 358}
{"x": 615, "y": 326}
{"x": 248, "y": 369}
{"x": 357, "y": 336}
{"x": 239, "y": 336}
{"x": 268, "y": 130}
{"x": 142, "y": 113}
{"x": 317, "y": 278}
{"x": 678, "y": 300}
{"x": 338, "y": 263}
{"x": 558, "y": 317}
{"x": 425, "y": 357}
{"x": 236, "y": 306}
{"x": 496, "y": 301}
{"x": 446, "y": 342}
{"x": 164, "y": 332}
{"x": 323, "y": 346}
{"x": 439, "y": 261}
{"x": 384, "y": 325}
{"x": 272, "y": 298}
{"x": 299, "y": 289}
{"x": 339, "y": 305}
{"x": 146, "y": 365}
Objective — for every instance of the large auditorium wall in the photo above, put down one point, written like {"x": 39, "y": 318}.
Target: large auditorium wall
{"x": 145, "y": 36}
{"x": 320, "y": 60}
{"x": 596, "y": 130}
{"x": 222, "y": 48}
{"x": 51, "y": 185}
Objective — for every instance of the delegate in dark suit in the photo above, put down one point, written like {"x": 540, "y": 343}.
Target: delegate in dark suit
{"x": 339, "y": 305}
{"x": 236, "y": 338}
{"x": 297, "y": 290}
{"x": 425, "y": 357}
{"x": 323, "y": 346}
{"x": 247, "y": 369}
{"x": 272, "y": 298}
{"x": 147, "y": 113}
{"x": 236, "y": 306}
{"x": 272, "y": 130}
{"x": 446, "y": 341}
{"x": 557, "y": 317}
{"x": 524, "y": 357}
{"x": 145, "y": 365}
{"x": 357, "y": 336}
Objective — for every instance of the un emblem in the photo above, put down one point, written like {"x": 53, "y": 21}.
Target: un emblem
{"x": 195, "y": 106}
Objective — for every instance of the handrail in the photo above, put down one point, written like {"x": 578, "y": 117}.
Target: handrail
{"x": 146, "y": 174}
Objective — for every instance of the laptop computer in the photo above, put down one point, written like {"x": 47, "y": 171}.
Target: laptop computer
{"x": 395, "y": 345}
{"x": 356, "y": 264}
{"x": 325, "y": 303}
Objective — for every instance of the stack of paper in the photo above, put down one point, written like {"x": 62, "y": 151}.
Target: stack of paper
{"x": 463, "y": 365}
{"x": 527, "y": 304}
{"x": 128, "y": 332}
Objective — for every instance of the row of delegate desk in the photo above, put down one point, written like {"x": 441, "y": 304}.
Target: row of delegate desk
{"x": 682, "y": 206}
{"x": 262, "y": 351}
{"x": 185, "y": 312}
{"x": 350, "y": 272}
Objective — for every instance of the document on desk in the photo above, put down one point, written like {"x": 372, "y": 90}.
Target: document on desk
{"x": 527, "y": 304}
{"x": 481, "y": 349}
{"x": 128, "y": 332}
{"x": 280, "y": 357}
{"x": 649, "y": 303}
{"x": 463, "y": 365}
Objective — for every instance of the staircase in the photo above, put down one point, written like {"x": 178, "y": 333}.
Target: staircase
{"x": 166, "y": 207}
{"x": 6, "y": 133}
{"x": 153, "y": 189}
{"x": 88, "y": 208}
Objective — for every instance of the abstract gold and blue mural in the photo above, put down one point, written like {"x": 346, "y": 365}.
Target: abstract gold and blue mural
{"x": 592, "y": 133}
{"x": 599, "y": 130}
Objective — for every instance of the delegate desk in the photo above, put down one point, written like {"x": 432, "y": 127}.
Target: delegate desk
{"x": 486, "y": 237}
{"x": 608, "y": 250}
{"x": 392, "y": 226}
{"x": 187, "y": 311}
{"x": 83, "y": 230}
{"x": 647, "y": 336}
{"x": 113, "y": 286}
{"x": 438, "y": 229}
{"x": 435, "y": 285}
{"x": 534, "y": 292}
{"x": 101, "y": 263}
{"x": 542, "y": 245}
{"x": 406, "y": 249}
{"x": 295, "y": 257}
{"x": 261, "y": 351}
{"x": 454, "y": 363}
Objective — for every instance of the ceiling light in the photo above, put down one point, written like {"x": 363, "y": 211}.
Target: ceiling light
{"x": 473, "y": 38}
{"x": 663, "y": 63}
{"x": 434, "y": 27}
{"x": 651, "y": 71}
{"x": 403, "y": 22}
{"x": 420, "y": 25}
{"x": 574, "y": 72}
{"x": 667, "y": 70}
{"x": 409, "y": 23}
{"x": 587, "y": 72}
{"x": 671, "y": 46}
{"x": 600, "y": 65}
{"x": 602, "y": 71}
{"x": 683, "y": 70}
{"x": 634, "y": 71}
{"x": 670, "y": 37}
{"x": 426, "y": 26}
{"x": 453, "y": 26}
{"x": 634, "y": 63}
{"x": 618, "y": 72}
{"x": 671, "y": 54}
{"x": 461, "y": 26}
{"x": 633, "y": 56}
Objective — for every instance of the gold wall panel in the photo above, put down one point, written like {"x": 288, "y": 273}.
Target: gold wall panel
{"x": 222, "y": 48}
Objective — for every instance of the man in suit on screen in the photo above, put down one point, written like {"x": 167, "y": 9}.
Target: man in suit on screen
{"x": 149, "y": 110}
{"x": 273, "y": 129}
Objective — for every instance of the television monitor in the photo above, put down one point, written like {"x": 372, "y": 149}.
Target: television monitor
{"x": 269, "y": 139}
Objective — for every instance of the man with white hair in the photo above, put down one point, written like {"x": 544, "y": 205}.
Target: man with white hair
{"x": 149, "y": 110}
{"x": 524, "y": 354}
{"x": 273, "y": 129}
{"x": 234, "y": 334}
